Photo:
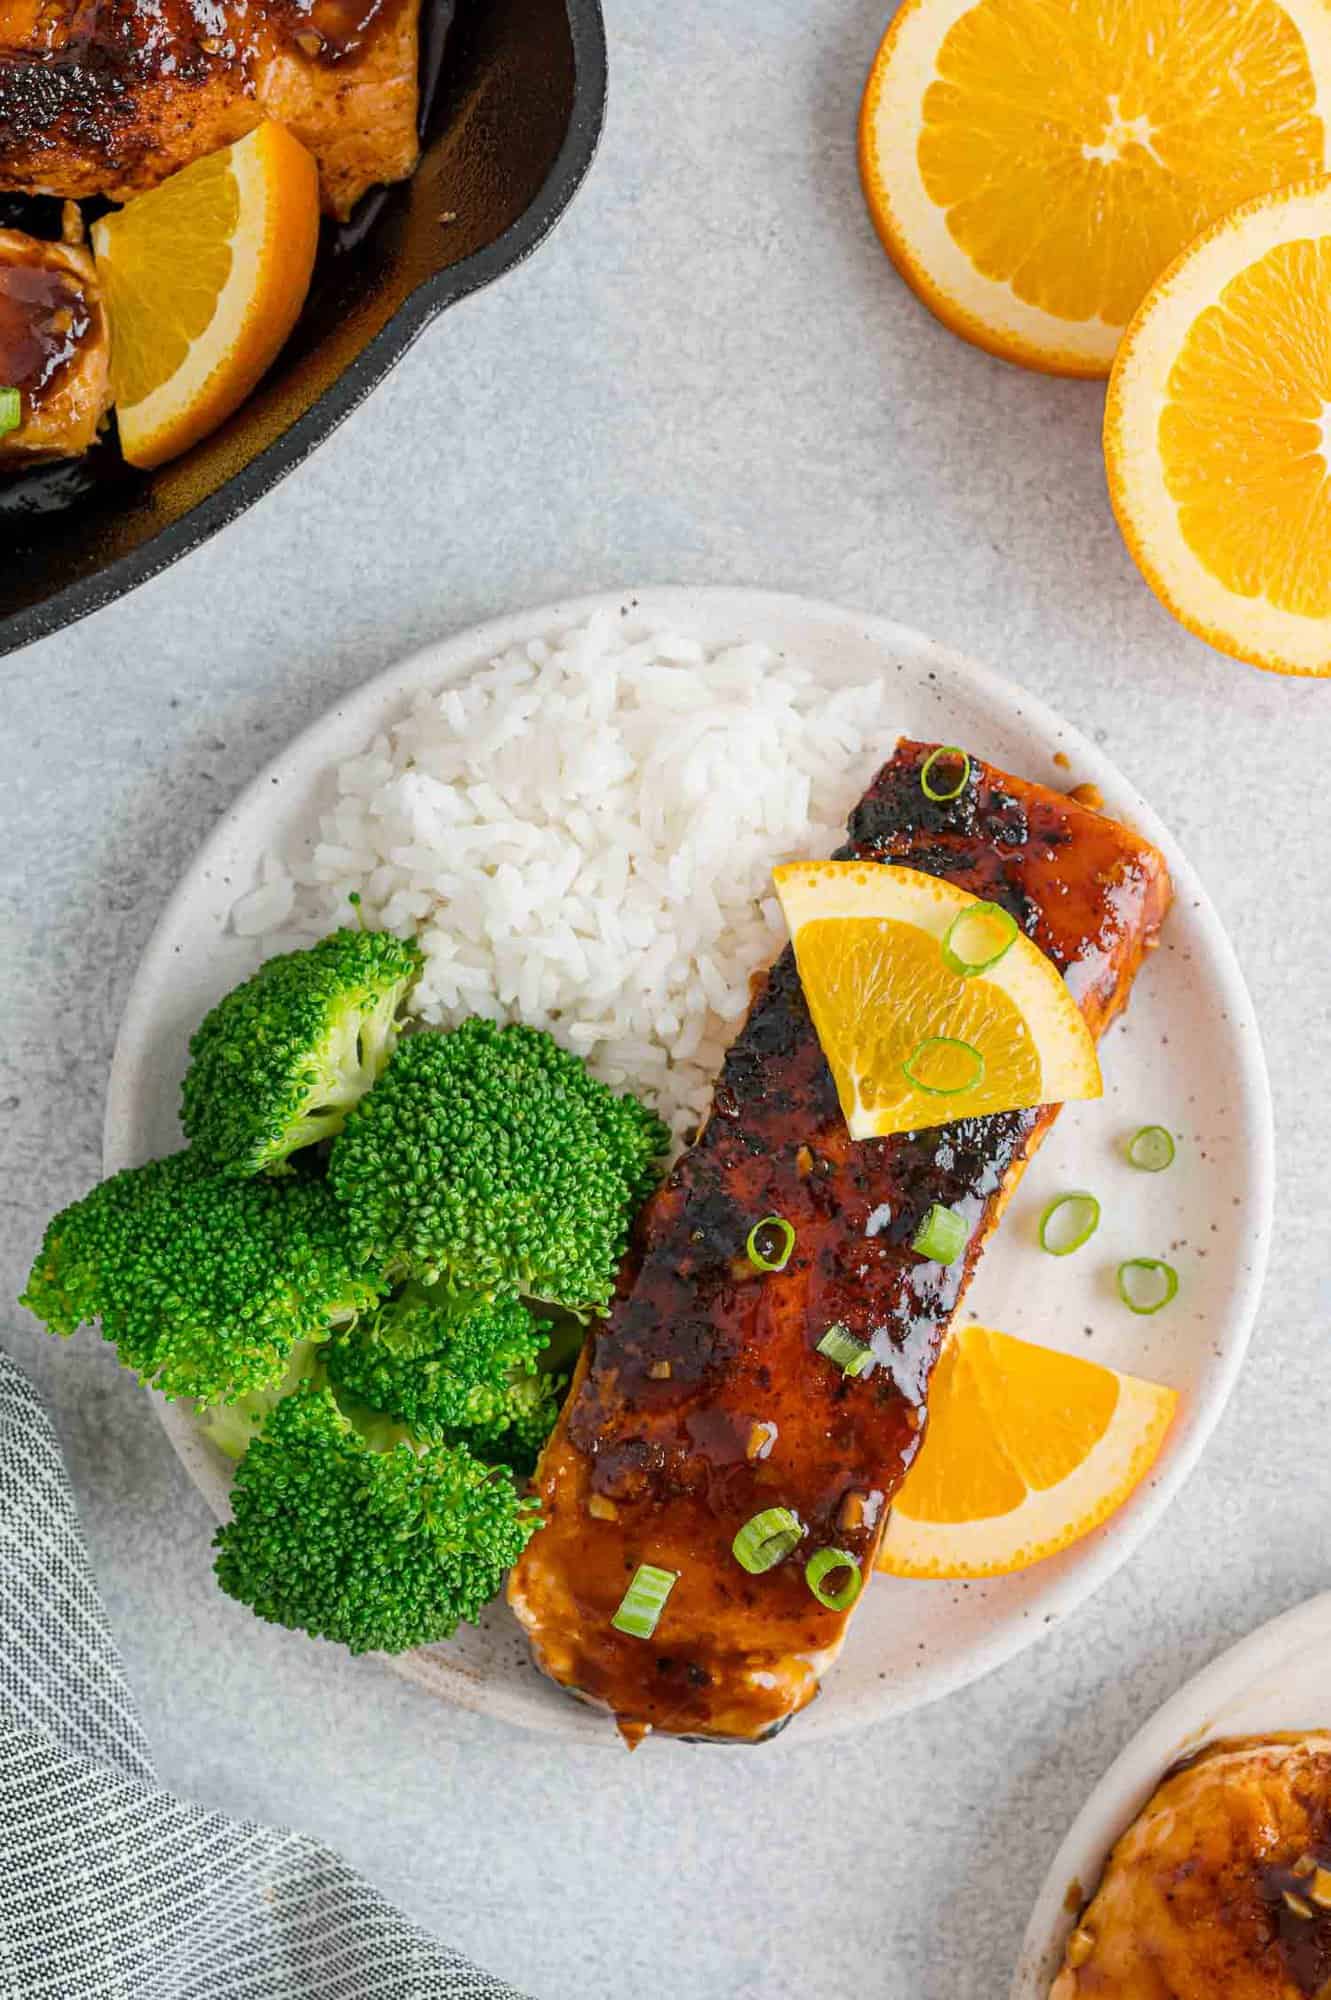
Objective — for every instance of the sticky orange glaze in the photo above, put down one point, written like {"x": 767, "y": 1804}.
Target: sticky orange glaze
{"x": 110, "y": 96}
{"x": 54, "y": 348}
{"x": 659, "y": 1427}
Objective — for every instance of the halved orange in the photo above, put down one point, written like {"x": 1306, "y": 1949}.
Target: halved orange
{"x": 1027, "y": 1450}
{"x": 909, "y": 1042}
{"x": 1218, "y": 434}
{"x": 203, "y": 279}
{"x": 1033, "y": 166}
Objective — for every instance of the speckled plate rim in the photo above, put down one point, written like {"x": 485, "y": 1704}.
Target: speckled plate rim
{"x": 1275, "y": 1679}
{"x": 773, "y": 617}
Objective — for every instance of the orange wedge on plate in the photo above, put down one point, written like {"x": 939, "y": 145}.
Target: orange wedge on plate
{"x": 203, "y": 279}
{"x": 1026, "y": 1451}
{"x": 910, "y": 1042}
{"x": 1032, "y": 167}
{"x": 1218, "y": 434}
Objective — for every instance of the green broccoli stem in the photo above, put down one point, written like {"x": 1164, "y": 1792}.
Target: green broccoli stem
{"x": 232, "y": 1427}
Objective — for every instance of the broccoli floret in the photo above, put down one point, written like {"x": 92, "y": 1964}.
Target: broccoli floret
{"x": 204, "y": 1284}
{"x": 490, "y": 1158}
{"x": 531, "y": 1405}
{"x": 232, "y": 1427}
{"x": 455, "y": 1366}
{"x": 279, "y": 1063}
{"x": 377, "y": 1549}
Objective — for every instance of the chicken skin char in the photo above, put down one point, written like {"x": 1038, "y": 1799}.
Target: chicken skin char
{"x": 109, "y": 97}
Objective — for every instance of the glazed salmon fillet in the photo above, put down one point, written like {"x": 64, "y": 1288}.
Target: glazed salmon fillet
{"x": 108, "y": 97}
{"x": 701, "y": 1400}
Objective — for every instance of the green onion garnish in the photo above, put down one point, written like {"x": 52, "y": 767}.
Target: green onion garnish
{"x": 767, "y": 1539}
{"x": 1068, "y": 1222}
{"x": 840, "y": 1345}
{"x": 1151, "y": 1149}
{"x": 977, "y": 938}
{"x": 11, "y": 411}
{"x": 1146, "y": 1283}
{"x": 941, "y": 798}
{"x": 644, "y": 1600}
{"x": 826, "y": 1562}
{"x": 943, "y": 1054}
{"x": 942, "y": 1235}
{"x": 762, "y": 1252}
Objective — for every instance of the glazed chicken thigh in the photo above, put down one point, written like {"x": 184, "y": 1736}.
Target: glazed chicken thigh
{"x": 1221, "y": 1890}
{"x": 109, "y": 97}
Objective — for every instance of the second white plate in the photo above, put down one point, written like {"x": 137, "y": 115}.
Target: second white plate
{"x": 1187, "y": 1056}
{"x": 1275, "y": 1679}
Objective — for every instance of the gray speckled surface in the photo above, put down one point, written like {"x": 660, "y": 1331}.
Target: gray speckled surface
{"x": 711, "y": 374}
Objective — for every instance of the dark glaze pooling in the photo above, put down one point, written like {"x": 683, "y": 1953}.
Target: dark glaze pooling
{"x": 670, "y": 1453}
{"x": 44, "y": 315}
{"x": 1304, "y": 1943}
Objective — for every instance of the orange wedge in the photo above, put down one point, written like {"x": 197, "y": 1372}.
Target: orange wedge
{"x": 1032, "y": 167}
{"x": 203, "y": 279}
{"x": 1218, "y": 434}
{"x": 1027, "y": 1450}
{"x": 909, "y": 1042}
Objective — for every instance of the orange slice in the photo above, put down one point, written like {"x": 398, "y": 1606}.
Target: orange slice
{"x": 895, "y": 1021}
{"x": 1032, "y": 167}
{"x": 203, "y": 279}
{"x": 1218, "y": 434}
{"x": 1027, "y": 1451}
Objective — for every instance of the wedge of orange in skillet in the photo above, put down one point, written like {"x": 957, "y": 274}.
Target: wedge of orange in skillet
{"x": 1218, "y": 434}
{"x": 1026, "y": 1451}
{"x": 203, "y": 279}
{"x": 911, "y": 1041}
{"x": 1033, "y": 166}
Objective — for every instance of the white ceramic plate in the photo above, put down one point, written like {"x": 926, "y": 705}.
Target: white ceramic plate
{"x": 1187, "y": 1056}
{"x": 1273, "y": 1680}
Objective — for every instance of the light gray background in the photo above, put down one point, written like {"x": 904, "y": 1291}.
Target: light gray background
{"x": 710, "y": 374}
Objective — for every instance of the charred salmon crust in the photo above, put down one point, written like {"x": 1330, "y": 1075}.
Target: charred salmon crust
{"x": 701, "y": 1399}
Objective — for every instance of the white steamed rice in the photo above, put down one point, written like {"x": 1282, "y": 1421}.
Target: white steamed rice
{"x": 582, "y": 836}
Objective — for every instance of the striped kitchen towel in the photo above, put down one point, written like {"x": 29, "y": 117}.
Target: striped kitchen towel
{"x": 111, "y": 1888}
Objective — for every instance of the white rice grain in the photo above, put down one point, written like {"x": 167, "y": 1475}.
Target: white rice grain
{"x": 582, "y": 836}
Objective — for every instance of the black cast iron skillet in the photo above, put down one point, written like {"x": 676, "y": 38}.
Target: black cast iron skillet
{"x": 515, "y": 91}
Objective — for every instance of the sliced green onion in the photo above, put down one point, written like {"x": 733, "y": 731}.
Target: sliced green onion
{"x": 1151, "y": 1149}
{"x": 826, "y": 1562}
{"x": 767, "y": 1539}
{"x": 840, "y": 1345}
{"x": 977, "y": 938}
{"x": 760, "y": 1243}
{"x": 1068, "y": 1222}
{"x": 1145, "y": 1284}
{"x": 11, "y": 411}
{"x": 644, "y": 1600}
{"x": 942, "y": 1235}
{"x": 929, "y": 1049}
{"x": 941, "y": 798}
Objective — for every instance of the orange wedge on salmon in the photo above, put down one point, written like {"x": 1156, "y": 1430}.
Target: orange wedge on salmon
{"x": 911, "y": 1041}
